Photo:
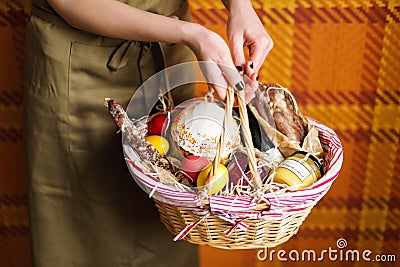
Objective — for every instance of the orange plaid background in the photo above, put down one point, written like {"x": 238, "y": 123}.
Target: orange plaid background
{"x": 341, "y": 60}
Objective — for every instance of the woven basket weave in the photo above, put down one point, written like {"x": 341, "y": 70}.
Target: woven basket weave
{"x": 238, "y": 222}
{"x": 211, "y": 231}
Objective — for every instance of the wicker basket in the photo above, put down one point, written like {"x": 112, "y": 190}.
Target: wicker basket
{"x": 238, "y": 222}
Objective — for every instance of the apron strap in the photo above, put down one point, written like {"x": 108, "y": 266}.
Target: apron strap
{"x": 121, "y": 55}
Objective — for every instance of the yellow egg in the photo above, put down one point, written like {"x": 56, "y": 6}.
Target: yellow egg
{"x": 221, "y": 178}
{"x": 159, "y": 142}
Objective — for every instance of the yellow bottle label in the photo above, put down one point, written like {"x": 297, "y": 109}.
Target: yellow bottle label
{"x": 297, "y": 168}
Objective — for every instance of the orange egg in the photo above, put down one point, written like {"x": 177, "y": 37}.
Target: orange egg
{"x": 221, "y": 178}
{"x": 159, "y": 142}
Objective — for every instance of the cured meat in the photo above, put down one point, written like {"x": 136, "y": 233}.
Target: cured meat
{"x": 145, "y": 150}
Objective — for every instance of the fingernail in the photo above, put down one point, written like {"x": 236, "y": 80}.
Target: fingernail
{"x": 251, "y": 65}
{"x": 239, "y": 86}
{"x": 257, "y": 78}
{"x": 240, "y": 70}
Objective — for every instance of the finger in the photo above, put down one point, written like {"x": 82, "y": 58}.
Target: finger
{"x": 233, "y": 77}
{"x": 258, "y": 53}
{"x": 248, "y": 96}
{"x": 250, "y": 68}
{"x": 213, "y": 75}
{"x": 237, "y": 52}
{"x": 255, "y": 77}
{"x": 251, "y": 87}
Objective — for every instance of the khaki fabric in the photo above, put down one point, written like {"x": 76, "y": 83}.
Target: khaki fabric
{"x": 85, "y": 208}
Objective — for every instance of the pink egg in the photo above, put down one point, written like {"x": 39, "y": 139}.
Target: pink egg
{"x": 192, "y": 166}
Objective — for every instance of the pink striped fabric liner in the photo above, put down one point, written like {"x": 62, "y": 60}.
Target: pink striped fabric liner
{"x": 236, "y": 224}
{"x": 233, "y": 228}
{"x": 151, "y": 182}
{"x": 232, "y": 204}
{"x": 188, "y": 228}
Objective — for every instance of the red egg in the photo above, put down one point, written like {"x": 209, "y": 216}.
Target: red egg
{"x": 156, "y": 124}
{"x": 192, "y": 166}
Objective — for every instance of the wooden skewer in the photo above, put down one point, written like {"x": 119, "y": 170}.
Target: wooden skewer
{"x": 256, "y": 179}
{"x": 230, "y": 95}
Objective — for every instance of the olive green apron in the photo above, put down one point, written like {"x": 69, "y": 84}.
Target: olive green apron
{"x": 85, "y": 208}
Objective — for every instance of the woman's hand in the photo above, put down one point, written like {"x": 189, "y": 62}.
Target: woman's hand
{"x": 245, "y": 29}
{"x": 217, "y": 64}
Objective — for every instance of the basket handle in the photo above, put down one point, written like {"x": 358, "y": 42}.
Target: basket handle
{"x": 255, "y": 176}
{"x": 248, "y": 141}
{"x": 220, "y": 145}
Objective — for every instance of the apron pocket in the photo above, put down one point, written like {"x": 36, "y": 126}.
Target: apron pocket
{"x": 90, "y": 82}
